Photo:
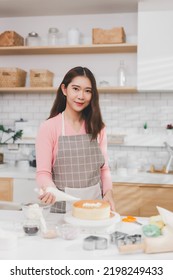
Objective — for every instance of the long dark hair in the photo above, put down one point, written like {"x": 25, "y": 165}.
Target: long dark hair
{"x": 91, "y": 114}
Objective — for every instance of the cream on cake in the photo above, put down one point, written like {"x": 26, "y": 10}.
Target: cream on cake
{"x": 91, "y": 209}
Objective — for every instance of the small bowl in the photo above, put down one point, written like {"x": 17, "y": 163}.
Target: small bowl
{"x": 68, "y": 232}
{"x": 31, "y": 229}
{"x": 23, "y": 164}
{"x": 51, "y": 231}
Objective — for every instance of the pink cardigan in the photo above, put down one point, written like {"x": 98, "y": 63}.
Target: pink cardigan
{"x": 47, "y": 148}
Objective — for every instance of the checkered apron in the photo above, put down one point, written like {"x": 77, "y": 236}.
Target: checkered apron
{"x": 77, "y": 168}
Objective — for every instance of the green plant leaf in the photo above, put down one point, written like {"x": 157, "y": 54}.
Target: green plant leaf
{"x": 2, "y": 128}
{"x": 145, "y": 125}
{"x": 17, "y": 135}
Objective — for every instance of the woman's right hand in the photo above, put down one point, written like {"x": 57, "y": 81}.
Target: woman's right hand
{"x": 109, "y": 198}
{"x": 47, "y": 197}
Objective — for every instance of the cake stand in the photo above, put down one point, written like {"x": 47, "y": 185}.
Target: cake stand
{"x": 94, "y": 226}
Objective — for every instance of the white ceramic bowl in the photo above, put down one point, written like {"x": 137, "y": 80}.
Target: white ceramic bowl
{"x": 23, "y": 164}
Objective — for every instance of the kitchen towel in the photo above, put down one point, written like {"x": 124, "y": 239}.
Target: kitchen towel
{"x": 166, "y": 215}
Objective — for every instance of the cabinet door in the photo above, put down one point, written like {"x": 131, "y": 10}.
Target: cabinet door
{"x": 155, "y": 45}
{"x": 24, "y": 190}
{"x": 155, "y": 195}
{"x": 6, "y": 189}
{"x": 127, "y": 198}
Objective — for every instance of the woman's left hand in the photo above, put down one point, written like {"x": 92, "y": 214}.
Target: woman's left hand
{"x": 109, "y": 198}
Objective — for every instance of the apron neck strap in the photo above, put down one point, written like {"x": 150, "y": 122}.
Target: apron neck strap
{"x": 63, "y": 128}
{"x": 63, "y": 125}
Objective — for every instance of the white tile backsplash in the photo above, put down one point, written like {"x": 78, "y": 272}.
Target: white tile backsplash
{"x": 122, "y": 114}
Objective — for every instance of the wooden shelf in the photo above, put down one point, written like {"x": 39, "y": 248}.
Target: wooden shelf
{"x": 117, "y": 90}
{"x": 53, "y": 90}
{"x": 77, "y": 49}
{"x": 29, "y": 89}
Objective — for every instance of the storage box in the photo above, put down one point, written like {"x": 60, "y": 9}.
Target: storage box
{"x": 11, "y": 38}
{"x": 12, "y": 77}
{"x": 113, "y": 36}
{"x": 116, "y": 139}
{"x": 41, "y": 78}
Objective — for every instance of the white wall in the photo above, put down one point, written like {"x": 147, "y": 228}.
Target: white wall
{"x": 84, "y": 23}
{"x": 155, "y": 45}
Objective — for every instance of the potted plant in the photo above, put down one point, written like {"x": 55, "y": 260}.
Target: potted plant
{"x": 145, "y": 126}
{"x": 13, "y": 135}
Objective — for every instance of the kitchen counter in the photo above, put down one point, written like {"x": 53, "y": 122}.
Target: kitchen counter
{"x": 16, "y": 172}
{"x": 140, "y": 177}
{"x": 38, "y": 248}
{"x": 145, "y": 178}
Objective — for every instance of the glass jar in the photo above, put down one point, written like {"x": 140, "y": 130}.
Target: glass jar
{"x": 32, "y": 39}
{"x": 31, "y": 226}
{"x": 73, "y": 36}
{"x": 53, "y": 36}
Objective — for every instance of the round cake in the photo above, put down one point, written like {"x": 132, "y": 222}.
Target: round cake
{"x": 91, "y": 209}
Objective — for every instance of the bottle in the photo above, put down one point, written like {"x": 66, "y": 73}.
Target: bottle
{"x": 33, "y": 39}
{"x": 121, "y": 74}
{"x": 53, "y": 36}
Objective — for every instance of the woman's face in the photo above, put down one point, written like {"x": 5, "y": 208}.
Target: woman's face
{"x": 78, "y": 93}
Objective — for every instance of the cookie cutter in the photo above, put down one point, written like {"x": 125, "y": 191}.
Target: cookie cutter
{"x": 117, "y": 235}
{"x": 95, "y": 242}
{"x": 121, "y": 238}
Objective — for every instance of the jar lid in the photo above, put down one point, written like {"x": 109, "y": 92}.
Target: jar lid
{"x": 53, "y": 30}
{"x": 33, "y": 34}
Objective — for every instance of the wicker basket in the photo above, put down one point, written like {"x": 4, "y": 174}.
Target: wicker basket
{"x": 12, "y": 77}
{"x": 41, "y": 78}
{"x": 10, "y": 39}
{"x": 113, "y": 36}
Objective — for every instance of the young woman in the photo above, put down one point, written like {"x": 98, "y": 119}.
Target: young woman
{"x": 71, "y": 145}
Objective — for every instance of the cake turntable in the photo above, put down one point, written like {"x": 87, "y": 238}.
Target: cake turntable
{"x": 93, "y": 225}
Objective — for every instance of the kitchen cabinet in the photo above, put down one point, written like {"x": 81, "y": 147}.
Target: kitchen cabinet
{"x": 18, "y": 190}
{"x": 6, "y": 189}
{"x": 24, "y": 190}
{"x": 141, "y": 199}
{"x": 155, "y": 195}
{"x": 63, "y": 50}
{"x": 127, "y": 198}
{"x": 155, "y": 45}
